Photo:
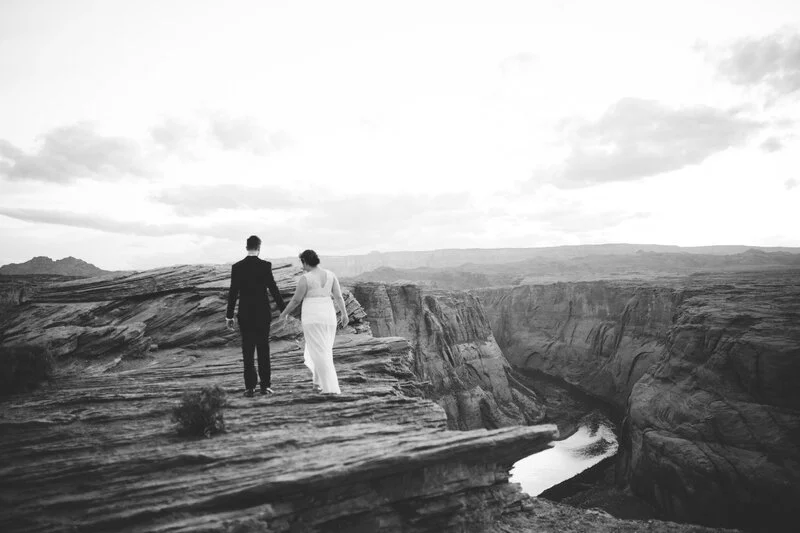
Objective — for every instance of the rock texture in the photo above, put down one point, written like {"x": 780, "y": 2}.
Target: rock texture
{"x": 714, "y": 426}
{"x": 455, "y": 353}
{"x": 129, "y": 315}
{"x": 13, "y": 292}
{"x": 706, "y": 371}
{"x": 95, "y": 451}
{"x": 549, "y": 517}
{"x": 600, "y": 336}
{"x": 68, "y": 266}
{"x": 16, "y": 290}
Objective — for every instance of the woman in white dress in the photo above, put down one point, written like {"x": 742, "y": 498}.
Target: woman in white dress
{"x": 314, "y": 290}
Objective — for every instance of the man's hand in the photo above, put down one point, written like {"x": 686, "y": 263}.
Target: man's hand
{"x": 229, "y": 323}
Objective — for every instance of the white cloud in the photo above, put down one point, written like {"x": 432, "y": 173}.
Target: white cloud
{"x": 770, "y": 61}
{"x": 772, "y": 144}
{"x": 201, "y": 200}
{"x": 636, "y": 138}
{"x": 245, "y": 133}
{"x": 67, "y": 153}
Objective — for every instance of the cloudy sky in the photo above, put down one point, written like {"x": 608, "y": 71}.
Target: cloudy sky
{"x": 139, "y": 134}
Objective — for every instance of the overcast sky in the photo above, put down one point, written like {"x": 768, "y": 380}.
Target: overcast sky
{"x": 148, "y": 133}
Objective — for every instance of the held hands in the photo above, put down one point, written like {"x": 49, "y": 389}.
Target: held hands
{"x": 229, "y": 323}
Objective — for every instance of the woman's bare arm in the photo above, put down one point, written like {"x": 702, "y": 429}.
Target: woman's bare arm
{"x": 337, "y": 295}
{"x": 297, "y": 299}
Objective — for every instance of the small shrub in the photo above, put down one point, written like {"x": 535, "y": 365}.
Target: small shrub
{"x": 22, "y": 368}
{"x": 200, "y": 413}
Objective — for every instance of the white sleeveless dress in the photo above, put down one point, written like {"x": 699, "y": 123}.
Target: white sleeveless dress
{"x": 319, "y": 329}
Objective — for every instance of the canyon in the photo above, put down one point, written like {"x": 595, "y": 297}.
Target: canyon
{"x": 456, "y": 354}
{"x": 702, "y": 369}
{"x": 91, "y": 448}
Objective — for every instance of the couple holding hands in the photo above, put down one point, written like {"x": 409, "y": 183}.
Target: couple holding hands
{"x": 251, "y": 278}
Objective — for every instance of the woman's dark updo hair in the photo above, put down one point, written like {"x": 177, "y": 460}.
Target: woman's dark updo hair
{"x": 310, "y": 258}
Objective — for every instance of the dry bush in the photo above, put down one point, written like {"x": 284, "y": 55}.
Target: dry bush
{"x": 22, "y": 368}
{"x": 200, "y": 413}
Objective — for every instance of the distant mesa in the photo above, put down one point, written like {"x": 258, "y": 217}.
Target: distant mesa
{"x": 68, "y": 266}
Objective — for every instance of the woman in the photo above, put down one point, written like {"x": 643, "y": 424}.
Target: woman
{"x": 319, "y": 319}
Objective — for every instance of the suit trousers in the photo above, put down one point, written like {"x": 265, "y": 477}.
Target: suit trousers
{"x": 256, "y": 340}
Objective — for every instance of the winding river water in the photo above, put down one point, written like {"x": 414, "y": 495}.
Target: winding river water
{"x": 567, "y": 458}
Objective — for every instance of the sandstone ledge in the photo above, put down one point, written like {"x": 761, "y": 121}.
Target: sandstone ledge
{"x": 95, "y": 451}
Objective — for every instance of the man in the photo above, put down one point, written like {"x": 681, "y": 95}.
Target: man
{"x": 250, "y": 279}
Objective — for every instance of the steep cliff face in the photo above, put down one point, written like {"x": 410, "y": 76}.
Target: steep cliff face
{"x": 706, "y": 372}
{"x": 713, "y": 428}
{"x": 599, "y": 336}
{"x": 455, "y": 353}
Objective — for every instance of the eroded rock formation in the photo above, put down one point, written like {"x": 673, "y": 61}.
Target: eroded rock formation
{"x": 714, "y": 425}
{"x": 706, "y": 371}
{"x": 93, "y": 450}
{"x": 455, "y": 353}
{"x": 600, "y": 336}
{"x": 128, "y": 315}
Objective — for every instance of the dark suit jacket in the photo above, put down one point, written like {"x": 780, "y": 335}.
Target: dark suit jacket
{"x": 250, "y": 279}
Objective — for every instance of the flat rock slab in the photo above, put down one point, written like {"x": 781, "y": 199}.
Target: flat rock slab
{"x": 97, "y": 452}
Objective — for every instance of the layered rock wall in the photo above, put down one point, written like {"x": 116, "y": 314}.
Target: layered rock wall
{"x": 705, "y": 372}
{"x": 713, "y": 428}
{"x": 599, "y": 336}
{"x": 455, "y": 353}
{"x": 128, "y": 315}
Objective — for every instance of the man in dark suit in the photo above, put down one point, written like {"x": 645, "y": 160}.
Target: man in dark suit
{"x": 250, "y": 279}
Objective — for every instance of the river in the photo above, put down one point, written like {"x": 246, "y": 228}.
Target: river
{"x": 567, "y": 458}
{"x": 587, "y": 421}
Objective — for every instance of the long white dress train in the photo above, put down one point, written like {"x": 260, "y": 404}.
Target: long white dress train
{"x": 319, "y": 329}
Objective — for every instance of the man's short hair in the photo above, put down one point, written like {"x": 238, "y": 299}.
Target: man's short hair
{"x": 253, "y": 243}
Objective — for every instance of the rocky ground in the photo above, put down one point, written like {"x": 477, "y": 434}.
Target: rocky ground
{"x": 129, "y": 315}
{"x": 93, "y": 448}
{"x": 96, "y": 451}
